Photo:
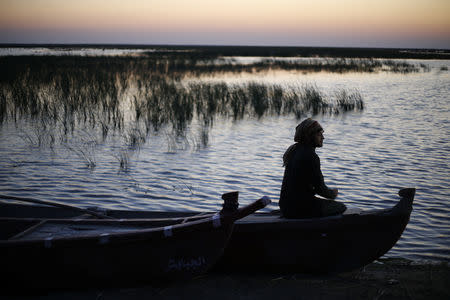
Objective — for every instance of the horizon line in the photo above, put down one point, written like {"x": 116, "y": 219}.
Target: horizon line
{"x": 213, "y": 45}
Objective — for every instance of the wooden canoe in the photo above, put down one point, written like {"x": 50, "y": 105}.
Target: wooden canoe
{"x": 321, "y": 245}
{"x": 266, "y": 241}
{"x": 44, "y": 251}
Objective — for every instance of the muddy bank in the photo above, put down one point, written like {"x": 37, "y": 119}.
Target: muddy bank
{"x": 386, "y": 279}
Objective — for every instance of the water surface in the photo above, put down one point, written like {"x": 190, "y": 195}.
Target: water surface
{"x": 400, "y": 139}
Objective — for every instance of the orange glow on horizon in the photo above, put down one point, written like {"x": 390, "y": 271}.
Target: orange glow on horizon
{"x": 382, "y": 17}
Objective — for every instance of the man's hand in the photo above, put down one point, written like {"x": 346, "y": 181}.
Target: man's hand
{"x": 334, "y": 193}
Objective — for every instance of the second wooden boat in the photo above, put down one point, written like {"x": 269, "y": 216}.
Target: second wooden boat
{"x": 49, "y": 252}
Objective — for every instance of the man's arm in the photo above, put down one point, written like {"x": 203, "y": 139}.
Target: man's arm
{"x": 319, "y": 184}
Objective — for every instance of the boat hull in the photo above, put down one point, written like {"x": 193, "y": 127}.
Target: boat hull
{"x": 146, "y": 255}
{"x": 336, "y": 245}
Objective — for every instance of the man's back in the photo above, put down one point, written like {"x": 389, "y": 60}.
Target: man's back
{"x": 300, "y": 176}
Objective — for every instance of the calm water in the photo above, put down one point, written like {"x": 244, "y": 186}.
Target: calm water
{"x": 401, "y": 139}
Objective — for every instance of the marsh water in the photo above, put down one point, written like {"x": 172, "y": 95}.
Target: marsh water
{"x": 401, "y": 138}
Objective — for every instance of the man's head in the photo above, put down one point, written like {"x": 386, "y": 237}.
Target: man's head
{"x": 309, "y": 132}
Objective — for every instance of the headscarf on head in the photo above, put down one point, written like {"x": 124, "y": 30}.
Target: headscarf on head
{"x": 304, "y": 135}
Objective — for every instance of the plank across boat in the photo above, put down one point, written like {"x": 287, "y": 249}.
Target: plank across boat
{"x": 266, "y": 241}
{"x": 49, "y": 252}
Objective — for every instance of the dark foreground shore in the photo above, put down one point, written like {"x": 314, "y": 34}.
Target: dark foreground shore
{"x": 386, "y": 279}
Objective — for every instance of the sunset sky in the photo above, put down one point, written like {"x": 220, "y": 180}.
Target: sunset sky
{"x": 358, "y": 23}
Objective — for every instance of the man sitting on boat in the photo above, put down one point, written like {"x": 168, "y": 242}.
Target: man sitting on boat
{"x": 303, "y": 179}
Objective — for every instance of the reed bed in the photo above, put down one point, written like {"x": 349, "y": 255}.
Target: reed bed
{"x": 335, "y": 65}
{"x": 190, "y": 63}
{"x": 135, "y": 97}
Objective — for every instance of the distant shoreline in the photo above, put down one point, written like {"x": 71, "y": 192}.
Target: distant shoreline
{"x": 288, "y": 51}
